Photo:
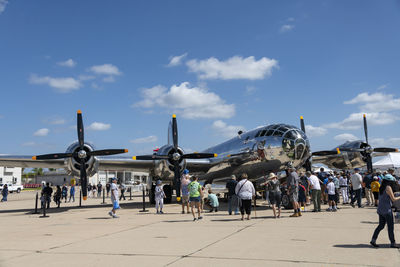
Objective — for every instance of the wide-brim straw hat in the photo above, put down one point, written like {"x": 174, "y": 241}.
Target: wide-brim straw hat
{"x": 272, "y": 175}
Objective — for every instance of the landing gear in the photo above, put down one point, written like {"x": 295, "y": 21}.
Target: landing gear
{"x": 168, "y": 193}
{"x": 152, "y": 194}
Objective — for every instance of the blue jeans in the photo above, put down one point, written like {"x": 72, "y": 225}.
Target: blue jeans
{"x": 357, "y": 197}
{"x": 233, "y": 204}
{"x": 385, "y": 219}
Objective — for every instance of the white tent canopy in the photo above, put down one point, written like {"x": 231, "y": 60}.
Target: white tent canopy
{"x": 392, "y": 160}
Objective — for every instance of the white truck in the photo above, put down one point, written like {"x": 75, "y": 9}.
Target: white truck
{"x": 12, "y": 188}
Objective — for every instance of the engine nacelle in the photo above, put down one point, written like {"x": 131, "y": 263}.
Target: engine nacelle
{"x": 73, "y": 164}
{"x": 165, "y": 168}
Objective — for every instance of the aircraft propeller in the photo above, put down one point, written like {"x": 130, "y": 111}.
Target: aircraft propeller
{"x": 175, "y": 157}
{"x": 82, "y": 154}
{"x": 368, "y": 150}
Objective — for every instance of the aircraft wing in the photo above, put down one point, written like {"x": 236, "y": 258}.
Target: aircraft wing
{"x": 124, "y": 164}
{"x": 28, "y": 162}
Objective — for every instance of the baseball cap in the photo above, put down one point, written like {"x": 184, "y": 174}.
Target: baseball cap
{"x": 357, "y": 169}
{"x": 185, "y": 171}
{"x": 112, "y": 179}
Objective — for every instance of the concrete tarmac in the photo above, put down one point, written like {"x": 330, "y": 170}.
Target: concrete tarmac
{"x": 88, "y": 236}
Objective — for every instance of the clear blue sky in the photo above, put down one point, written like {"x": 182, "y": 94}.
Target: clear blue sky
{"x": 219, "y": 65}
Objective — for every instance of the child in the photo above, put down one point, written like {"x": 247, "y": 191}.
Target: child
{"x": 159, "y": 197}
{"x": 212, "y": 201}
{"x": 331, "y": 194}
{"x": 64, "y": 193}
{"x": 302, "y": 196}
{"x": 114, "y": 198}
{"x": 375, "y": 189}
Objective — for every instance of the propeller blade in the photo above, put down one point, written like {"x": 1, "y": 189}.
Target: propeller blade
{"x": 106, "y": 152}
{"x": 385, "y": 149}
{"x": 150, "y": 157}
{"x": 365, "y": 128}
{"x": 81, "y": 137}
{"x": 52, "y": 156}
{"x": 352, "y": 149}
{"x": 83, "y": 179}
{"x": 369, "y": 162}
{"x": 199, "y": 156}
{"x": 303, "y": 128}
{"x": 325, "y": 153}
{"x": 177, "y": 178}
{"x": 174, "y": 131}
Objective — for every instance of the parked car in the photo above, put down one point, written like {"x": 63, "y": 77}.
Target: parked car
{"x": 12, "y": 188}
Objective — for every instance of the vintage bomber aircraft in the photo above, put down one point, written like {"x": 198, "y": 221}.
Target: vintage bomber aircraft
{"x": 256, "y": 152}
{"x": 354, "y": 154}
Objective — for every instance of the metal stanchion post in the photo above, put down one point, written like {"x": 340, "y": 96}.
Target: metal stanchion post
{"x": 130, "y": 193}
{"x": 104, "y": 196}
{"x": 144, "y": 201}
{"x": 80, "y": 198}
{"x": 36, "y": 203}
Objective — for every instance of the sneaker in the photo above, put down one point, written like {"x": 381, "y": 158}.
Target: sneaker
{"x": 393, "y": 245}
{"x": 374, "y": 244}
{"x": 194, "y": 219}
{"x": 334, "y": 210}
{"x": 329, "y": 209}
{"x": 161, "y": 212}
{"x": 201, "y": 217}
{"x": 294, "y": 215}
{"x": 299, "y": 213}
{"x": 314, "y": 210}
{"x": 352, "y": 204}
{"x": 183, "y": 212}
{"x": 115, "y": 216}
{"x": 110, "y": 213}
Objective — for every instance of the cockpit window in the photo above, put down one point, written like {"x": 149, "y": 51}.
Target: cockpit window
{"x": 283, "y": 129}
{"x": 269, "y": 133}
{"x": 277, "y": 133}
{"x": 258, "y": 134}
{"x": 263, "y": 132}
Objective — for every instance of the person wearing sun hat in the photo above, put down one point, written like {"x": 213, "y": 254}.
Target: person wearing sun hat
{"x": 275, "y": 194}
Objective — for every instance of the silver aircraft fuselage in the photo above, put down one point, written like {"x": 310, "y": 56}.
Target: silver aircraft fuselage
{"x": 257, "y": 152}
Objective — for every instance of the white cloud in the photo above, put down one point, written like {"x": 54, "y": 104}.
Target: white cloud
{"x": 313, "y": 131}
{"x": 105, "y": 69}
{"x": 233, "y": 68}
{"x": 286, "y": 28}
{"x": 68, "y": 63}
{"x": 226, "y": 130}
{"x": 148, "y": 139}
{"x": 376, "y": 102}
{"x": 29, "y": 144}
{"x": 62, "y": 85}
{"x": 86, "y": 77}
{"x": 109, "y": 79}
{"x": 355, "y": 120}
{"x": 250, "y": 89}
{"x": 385, "y": 142}
{"x": 383, "y": 86}
{"x": 3, "y": 4}
{"x": 346, "y": 137}
{"x": 99, "y": 126}
{"x": 176, "y": 60}
{"x": 42, "y": 132}
{"x": 55, "y": 121}
{"x": 190, "y": 102}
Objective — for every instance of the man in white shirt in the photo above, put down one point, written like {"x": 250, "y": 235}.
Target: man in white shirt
{"x": 114, "y": 198}
{"x": 315, "y": 191}
{"x": 356, "y": 181}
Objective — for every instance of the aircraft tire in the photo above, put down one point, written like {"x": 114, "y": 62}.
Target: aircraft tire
{"x": 286, "y": 202}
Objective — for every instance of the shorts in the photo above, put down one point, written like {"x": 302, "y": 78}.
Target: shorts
{"x": 185, "y": 199}
{"x": 302, "y": 197}
{"x": 294, "y": 195}
{"x": 194, "y": 199}
{"x": 376, "y": 195}
{"x": 275, "y": 198}
{"x": 116, "y": 205}
{"x": 332, "y": 197}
